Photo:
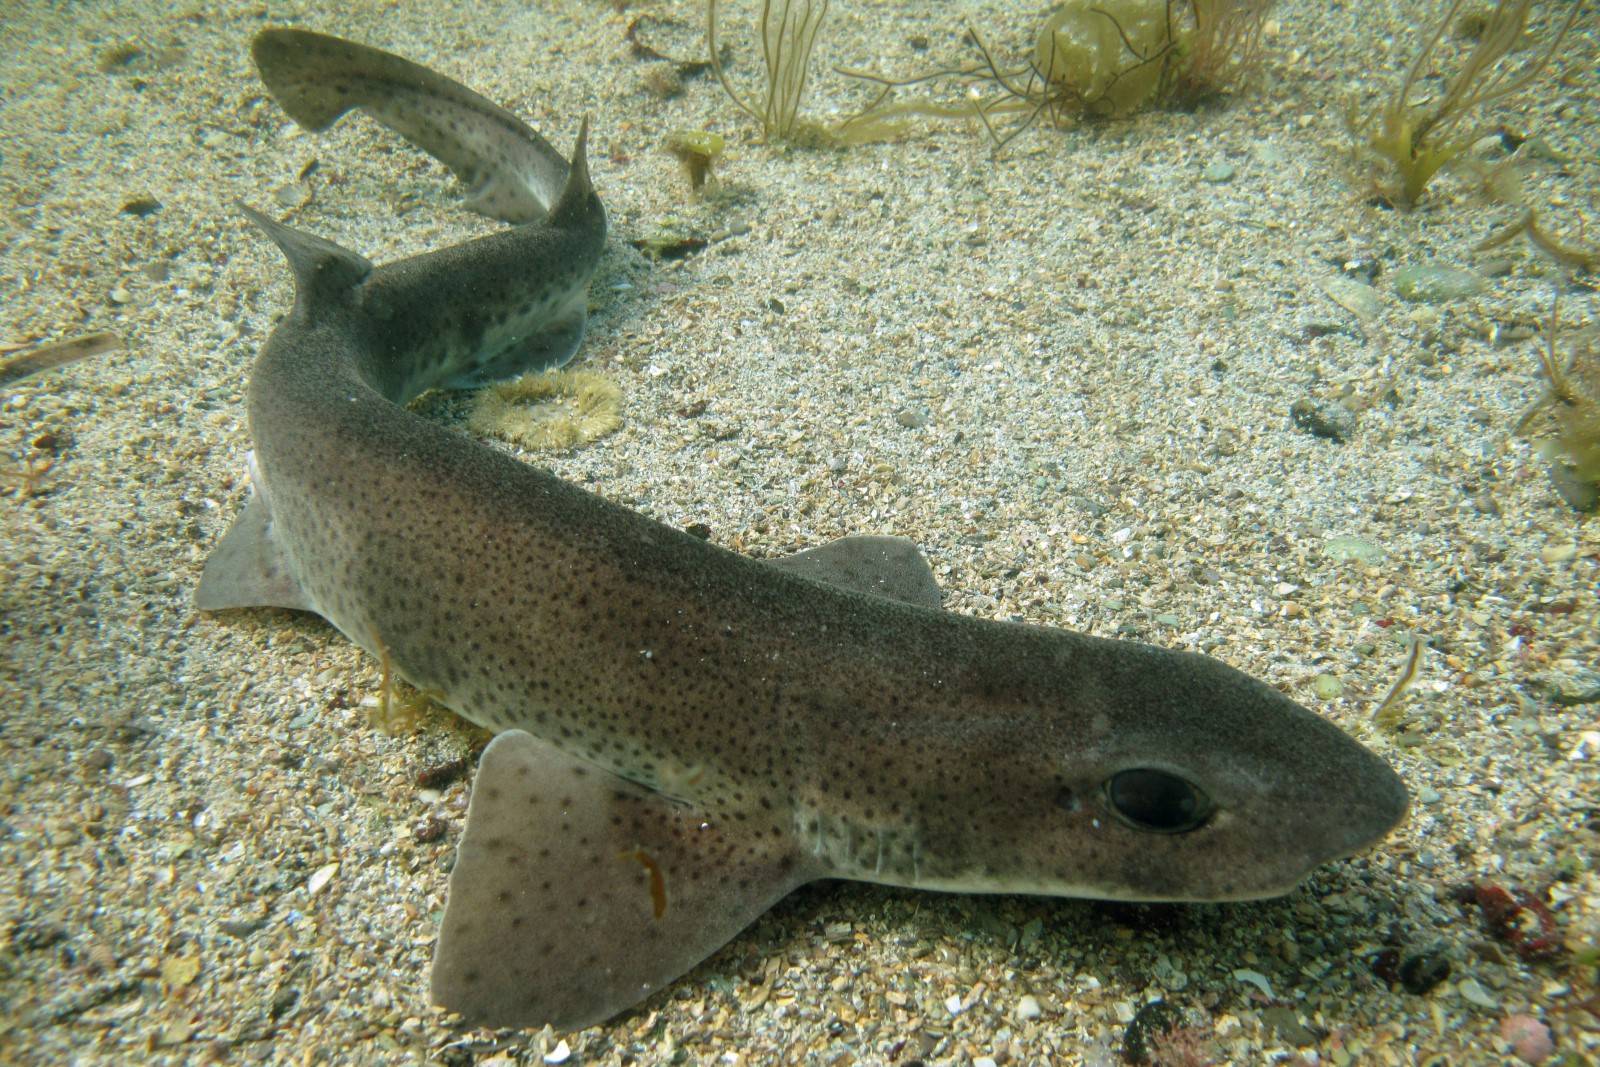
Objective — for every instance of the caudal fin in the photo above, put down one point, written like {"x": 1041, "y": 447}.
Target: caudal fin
{"x": 511, "y": 173}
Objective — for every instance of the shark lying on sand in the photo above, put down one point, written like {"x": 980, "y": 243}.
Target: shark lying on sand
{"x": 685, "y": 734}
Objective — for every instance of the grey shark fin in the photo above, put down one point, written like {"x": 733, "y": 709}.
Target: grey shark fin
{"x": 577, "y": 893}
{"x": 509, "y": 171}
{"x": 578, "y": 190}
{"x": 247, "y": 568}
{"x": 322, "y": 269}
{"x": 891, "y": 567}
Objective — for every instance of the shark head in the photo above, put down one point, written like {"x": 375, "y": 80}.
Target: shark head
{"x": 1156, "y": 776}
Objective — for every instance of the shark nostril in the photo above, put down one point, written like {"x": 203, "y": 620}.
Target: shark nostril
{"x": 1066, "y": 799}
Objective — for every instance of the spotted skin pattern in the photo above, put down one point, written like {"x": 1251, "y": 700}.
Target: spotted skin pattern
{"x": 685, "y": 734}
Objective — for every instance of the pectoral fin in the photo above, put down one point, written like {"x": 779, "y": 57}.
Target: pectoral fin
{"x": 247, "y": 569}
{"x": 576, "y": 893}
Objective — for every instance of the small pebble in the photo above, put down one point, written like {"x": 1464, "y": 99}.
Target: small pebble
{"x": 292, "y": 195}
{"x": 1170, "y": 975}
{"x": 1472, "y": 992}
{"x": 1257, "y": 979}
{"x": 1530, "y": 1039}
{"x": 1219, "y": 172}
{"x": 1287, "y": 1026}
{"x": 320, "y": 878}
{"x": 1028, "y": 1008}
{"x": 1358, "y": 298}
{"x": 1345, "y": 548}
{"x": 1420, "y": 972}
{"x": 1326, "y": 687}
{"x": 1426, "y": 284}
{"x": 912, "y": 418}
{"x": 1323, "y": 418}
{"x": 1561, "y": 553}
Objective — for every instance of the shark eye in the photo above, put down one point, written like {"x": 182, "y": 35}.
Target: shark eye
{"x": 1162, "y": 803}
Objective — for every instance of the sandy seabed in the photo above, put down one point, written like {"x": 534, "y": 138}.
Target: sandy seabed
{"x": 1066, "y": 373}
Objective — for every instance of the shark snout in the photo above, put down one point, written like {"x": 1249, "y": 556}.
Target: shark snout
{"x": 1376, "y": 800}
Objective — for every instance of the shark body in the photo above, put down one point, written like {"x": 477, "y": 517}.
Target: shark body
{"x": 685, "y": 734}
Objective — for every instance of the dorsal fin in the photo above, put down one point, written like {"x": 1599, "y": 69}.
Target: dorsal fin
{"x": 322, "y": 270}
{"x": 577, "y": 200}
{"x": 890, "y": 567}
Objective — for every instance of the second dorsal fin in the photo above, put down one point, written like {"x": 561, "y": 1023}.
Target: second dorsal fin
{"x": 891, "y": 567}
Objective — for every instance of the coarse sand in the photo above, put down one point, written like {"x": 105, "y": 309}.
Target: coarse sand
{"x": 1066, "y": 372}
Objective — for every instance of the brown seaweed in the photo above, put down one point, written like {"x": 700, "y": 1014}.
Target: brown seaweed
{"x": 56, "y": 354}
{"x": 1096, "y": 59}
{"x": 1566, "y": 419}
{"x": 1411, "y": 142}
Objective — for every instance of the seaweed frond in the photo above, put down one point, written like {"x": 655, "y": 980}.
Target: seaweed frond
{"x": 398, "y": 708}
{"x": 56, "y": 354}
{"x": 1566, "y": 419}
{"x": 1222, "y": 49}
{"x": 1417, "y": 140}
{"x": 1387, "y": 715}
{"x": 788, "y": 35}
{"x": 697, "y": 152}
{"x": 1099, "y": 59}
{"x": 1575, "y": 257}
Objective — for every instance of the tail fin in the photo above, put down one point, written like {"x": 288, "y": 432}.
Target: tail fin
{"x": 322, "y": 270}
{"x": 511, "y": 173}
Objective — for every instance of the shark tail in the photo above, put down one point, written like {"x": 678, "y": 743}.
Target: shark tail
{"x": 511, "y": 173}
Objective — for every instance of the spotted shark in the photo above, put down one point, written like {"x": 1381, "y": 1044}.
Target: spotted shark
{"x": 684, "y": 734}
